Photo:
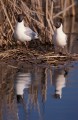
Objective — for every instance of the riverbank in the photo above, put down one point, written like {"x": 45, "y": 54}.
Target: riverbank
{"x": 35, "y": 56}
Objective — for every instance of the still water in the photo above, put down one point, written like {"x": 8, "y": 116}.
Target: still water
{"x": 33, "y": 92}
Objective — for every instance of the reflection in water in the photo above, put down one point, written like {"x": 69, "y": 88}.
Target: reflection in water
{"x": 34, "y": 87}
{"x": 31, "y": 89}
{"x": 27, "y": 87}
{"x": 59, "y": 81}
{"x": 8, "y": 108}
{"x": 22, "y": 83}
{"x": 23, "y": 80}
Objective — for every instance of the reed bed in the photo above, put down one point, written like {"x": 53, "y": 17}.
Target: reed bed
{"x": 39, "y": 15}
{"x": 12, "y": 57}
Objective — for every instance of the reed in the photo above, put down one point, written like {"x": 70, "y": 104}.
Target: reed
{"x": 39, "y": 15}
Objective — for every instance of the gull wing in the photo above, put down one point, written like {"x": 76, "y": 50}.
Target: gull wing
{"x": 30, "y": 32}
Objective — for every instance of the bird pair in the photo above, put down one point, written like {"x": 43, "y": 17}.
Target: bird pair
{"x": 25, "y": 34}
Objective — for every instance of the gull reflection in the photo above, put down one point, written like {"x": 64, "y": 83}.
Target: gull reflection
{"x": 23, "y": 81}
{"x": 59, "y": 81}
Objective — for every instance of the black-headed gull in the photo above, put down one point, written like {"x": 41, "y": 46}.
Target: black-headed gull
{"x": 22, "y": 33}
{"x": 59, "y": 37}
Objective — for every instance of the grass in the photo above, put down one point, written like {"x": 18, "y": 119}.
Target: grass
{"x": 39, "y": 15}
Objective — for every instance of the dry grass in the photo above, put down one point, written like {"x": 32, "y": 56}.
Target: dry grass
{"x": 39, "y": 16}
{"x": 34, "y": 57}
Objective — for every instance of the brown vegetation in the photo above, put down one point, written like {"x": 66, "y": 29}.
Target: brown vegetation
{"x": 39, "y": 16}
{"x": 19, "y": 56}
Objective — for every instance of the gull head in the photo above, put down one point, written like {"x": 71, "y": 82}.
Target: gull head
{"x": 57, "y": 96}
{"x": 20, "y": 18}
{"x": 58, "y": 23}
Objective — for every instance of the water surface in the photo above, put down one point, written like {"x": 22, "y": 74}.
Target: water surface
{"x": 35, "y": 92}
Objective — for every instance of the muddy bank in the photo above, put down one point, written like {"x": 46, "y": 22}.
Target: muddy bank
{"x": 35, "y": 57}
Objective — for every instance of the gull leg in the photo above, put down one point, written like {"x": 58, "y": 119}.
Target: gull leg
{"x": 26, "y": 44}
{"x": 56, "y": 50}
{"x": 66, "y": 50}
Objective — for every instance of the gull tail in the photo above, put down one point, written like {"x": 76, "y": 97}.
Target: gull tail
{"x": 36, "y": 36}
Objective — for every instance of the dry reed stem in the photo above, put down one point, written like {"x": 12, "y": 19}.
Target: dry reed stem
{"x": 6, "y": 15}
{"x": 64, "y": 13}
{"x": 73, "y": 4}
{"x": 73, "y": 8}
{"x": 35, "y": 57}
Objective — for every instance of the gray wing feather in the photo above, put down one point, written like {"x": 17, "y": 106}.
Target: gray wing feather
{"x": 30, "y": 32}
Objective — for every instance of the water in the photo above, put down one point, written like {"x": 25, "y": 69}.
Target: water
{"x": 39, "y": 92}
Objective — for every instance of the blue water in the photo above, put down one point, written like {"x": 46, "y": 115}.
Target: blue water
{"x": 40, "y": 101}
{"x": 34, "y": 92}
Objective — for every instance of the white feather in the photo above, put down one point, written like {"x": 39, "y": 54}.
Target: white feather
{"x": 23, "y": 80}
{"x": 60, "y": 38}
{"x": 23, "y": 33}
